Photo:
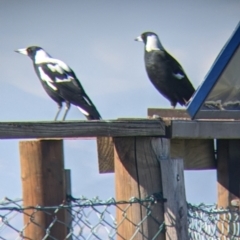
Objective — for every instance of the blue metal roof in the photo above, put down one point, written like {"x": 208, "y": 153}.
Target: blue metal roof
{"x": 214, "y": 74}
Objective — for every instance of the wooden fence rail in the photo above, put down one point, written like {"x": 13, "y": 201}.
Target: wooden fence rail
{"x": 134, "y": 149}
{"x": 174, "y": 129}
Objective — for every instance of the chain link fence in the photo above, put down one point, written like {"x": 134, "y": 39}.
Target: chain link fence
{"x": 210, "y": 223}
{"x": 95, "y": 219}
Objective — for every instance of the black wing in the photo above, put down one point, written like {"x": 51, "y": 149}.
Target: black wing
{"x": 48, "y": 85}
{"x": 69, "y": 88}
{"x": 184, "y": 88}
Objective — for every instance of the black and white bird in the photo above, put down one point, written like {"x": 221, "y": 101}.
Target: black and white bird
{"x": 165, "y": 73}
{"x": 60, "y": 82}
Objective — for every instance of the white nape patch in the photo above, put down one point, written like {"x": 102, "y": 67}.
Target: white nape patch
{"x": 87, "y": 101}
{"x": 41, "y": 57}
{"x": 152, "y": 43}
{"x": 55, "y": 68}
{"x": 47, "y": 79}
{"x": 83, "y": 111}
{"x": 178, "y": 75}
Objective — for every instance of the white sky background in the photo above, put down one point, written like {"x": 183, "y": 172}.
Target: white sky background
{"x": 96, "y": 39}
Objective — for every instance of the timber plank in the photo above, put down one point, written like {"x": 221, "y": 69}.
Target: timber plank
{"x": 228, "y": 167}
{"x": 205, "y": 129}
{"x": 197, "y": 154}
{"x": 105, "y": 148}
{"x": 169, "y": 113}
{"x": 137, "y": 174}
{"x": 42, "y": 174}
{"x": 175, "y": 208}
{"x": 186, "y": 129}
{"x": 228, "y": 177}
{"x": 59, "y": 129}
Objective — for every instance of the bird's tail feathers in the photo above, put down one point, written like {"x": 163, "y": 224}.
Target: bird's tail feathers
{"x": 91, "y": 116}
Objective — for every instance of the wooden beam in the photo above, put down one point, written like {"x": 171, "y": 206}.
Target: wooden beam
{"x": 105, "y": 150}
{"x": 169, "y": 113}
{"x": 228, "y": 171}
{"x": 228, "y": 176}
{"x": 205, "y": 129}
{"x": 185, "y": 129}
{"x": 68, "y": 192}
{"x": 138, "y": 174}
{"x": 74, "y": 129}
{"x": 175, "y": 208}
{"x": 42, "y": 172}
{"x": 197, "y": 154}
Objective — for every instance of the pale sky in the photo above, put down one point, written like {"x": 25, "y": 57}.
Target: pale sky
{"x": 96, "y": 39}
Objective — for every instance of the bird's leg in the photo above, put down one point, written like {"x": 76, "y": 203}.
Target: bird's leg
{"x": 59, "y": 109}
{"x": 66, "y": 110}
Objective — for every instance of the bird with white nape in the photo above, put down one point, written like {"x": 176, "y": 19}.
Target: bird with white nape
{"x": 165, "y": 73}
{"x": 60, "y": 83}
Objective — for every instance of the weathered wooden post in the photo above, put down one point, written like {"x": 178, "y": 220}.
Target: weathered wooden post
{"x": 68, "y": 212}
{"x": 228, "y": 167}
{"x": 138, "y": 174}
{"x": 142, "y": 166}
{"x": 42, "y": 172}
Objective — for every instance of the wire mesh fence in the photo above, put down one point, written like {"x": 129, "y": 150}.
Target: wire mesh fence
{"x": 84, "y": 218}
{"x": 95, "y": 219}
{"x": 209, "y": 222}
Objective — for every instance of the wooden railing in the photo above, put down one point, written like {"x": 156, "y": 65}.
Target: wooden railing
{"x": 141, "y": 152}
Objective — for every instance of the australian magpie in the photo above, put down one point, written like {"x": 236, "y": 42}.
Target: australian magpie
{"x": 60, "y": 82}
{"x": 165, "y": 73}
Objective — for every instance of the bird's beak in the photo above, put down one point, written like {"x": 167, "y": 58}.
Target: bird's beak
{"x": 22, "y": 51}
{"x": 139, "y": 39}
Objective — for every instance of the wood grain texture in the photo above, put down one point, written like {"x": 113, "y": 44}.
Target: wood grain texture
{"x": 175, "y": 209}
{"x": 43, "y": 184}
{"x": 228, "y": 176}
{"x": 59, "y": 129}
{"x": 68, "y": 191}
{"x": 185, "y": 129}
{"x": 137, "y": 174}
{"x": 228, "y": 171}
{"x": 169, "y": 113}
{"x": 197, "y": 154}
{"x": 205, "y": 129}
{"x": 105, "y": 150}
{"x": 222, "y": 173}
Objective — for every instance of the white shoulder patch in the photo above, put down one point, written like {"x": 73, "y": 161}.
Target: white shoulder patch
{"x": 43, "y": 57}
{"x": 55, "y": 68}
{"x": 60, "y": 63}
{"x": 68, "y": 79}
{"x": 178, "y": 75}
{"x": 46, "y": 79}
